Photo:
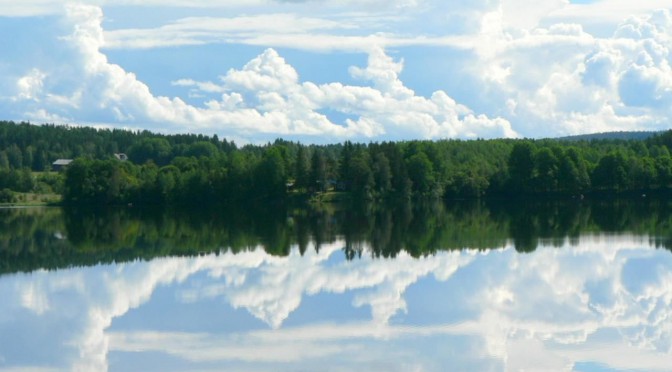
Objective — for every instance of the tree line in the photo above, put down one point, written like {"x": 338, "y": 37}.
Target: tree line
{"x": 188, "y": 168}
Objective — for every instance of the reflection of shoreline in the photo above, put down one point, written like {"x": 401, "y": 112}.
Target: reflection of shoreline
{"x": 28, "y": 239}
{"x": 24, "y": 206}
{"x": 557, "y": 301}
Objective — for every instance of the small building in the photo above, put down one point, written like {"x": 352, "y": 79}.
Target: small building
{"x": 121, "y": 156}
{"x": 60, "y": 164}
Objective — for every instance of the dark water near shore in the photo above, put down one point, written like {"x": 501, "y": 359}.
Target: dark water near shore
{"x": 579, "y": 285}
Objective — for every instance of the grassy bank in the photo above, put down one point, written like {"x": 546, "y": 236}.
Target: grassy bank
{"x": 31, "y": 199}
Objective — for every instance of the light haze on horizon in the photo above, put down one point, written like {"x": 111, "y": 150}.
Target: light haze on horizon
{"x": 327, "y": 70}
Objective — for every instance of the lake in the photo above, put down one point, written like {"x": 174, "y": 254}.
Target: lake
{"x": 479, "y": 286}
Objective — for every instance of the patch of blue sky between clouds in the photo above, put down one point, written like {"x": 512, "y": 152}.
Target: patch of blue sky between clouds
{"x": 597, "y": 367}
{"x": 159, "y": 68}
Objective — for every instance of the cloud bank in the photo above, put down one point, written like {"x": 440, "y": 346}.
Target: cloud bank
{"x": 264, "y": 99}
{"x": 554, "y": 69}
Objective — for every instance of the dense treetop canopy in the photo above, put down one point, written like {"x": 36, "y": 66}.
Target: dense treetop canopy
{"x": 189, "y": 168}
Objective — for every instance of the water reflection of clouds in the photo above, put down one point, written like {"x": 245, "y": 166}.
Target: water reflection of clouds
{"x": 567, "y": 299}
{"x": 279, "y": 284}
{"x": 605, "y": 301}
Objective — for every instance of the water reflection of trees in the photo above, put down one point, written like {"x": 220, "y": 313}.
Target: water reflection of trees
{"x": 55, "y": 238}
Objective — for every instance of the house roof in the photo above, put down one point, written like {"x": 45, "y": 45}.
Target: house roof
{"x": 62, "y": 162}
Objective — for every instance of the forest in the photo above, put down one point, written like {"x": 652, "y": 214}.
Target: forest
{"x": 197, "y": 169}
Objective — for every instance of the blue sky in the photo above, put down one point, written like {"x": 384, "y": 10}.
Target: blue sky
{"x": 325, "y": 70}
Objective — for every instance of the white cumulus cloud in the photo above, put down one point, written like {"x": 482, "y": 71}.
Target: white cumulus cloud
{"x": 562, "y": 80}
{"x": 514, "y": 68}
{"x": 264, "y": 99}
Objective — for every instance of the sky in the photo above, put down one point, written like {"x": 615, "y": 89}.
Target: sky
{"x": 325, "y": 71}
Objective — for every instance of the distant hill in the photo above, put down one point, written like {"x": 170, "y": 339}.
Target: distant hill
{"x": 610, "y": 136}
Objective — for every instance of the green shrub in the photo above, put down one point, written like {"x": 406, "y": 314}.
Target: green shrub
{"x": 7, "y": 196}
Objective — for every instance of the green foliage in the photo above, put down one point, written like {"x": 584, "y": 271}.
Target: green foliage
{"x": 521, "y": 166}
{"x": 202, "y": 149}
{"x": 382, "y": 174}
{"x": 611, "y": 173}
{"x": 663, "y": 165}
{"x": 361, "y": 176}
{"x": 318, "y": 171}
{"x": 155, "y": 149}
{"x": 301, "y": 168}
{"x": 270, "y": 175}
{"x": 546, "y": 170}
{"x": 100, "y": 182}
{"x": 421, "y": 173}
{"x": 199, "y": 169}
{"x": 573, "y": 175}
{"x": 7, "y": 196}
{"x": 4, "y": 161}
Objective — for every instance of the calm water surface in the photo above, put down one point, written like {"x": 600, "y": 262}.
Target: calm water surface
{"x": 476, "y": 287}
